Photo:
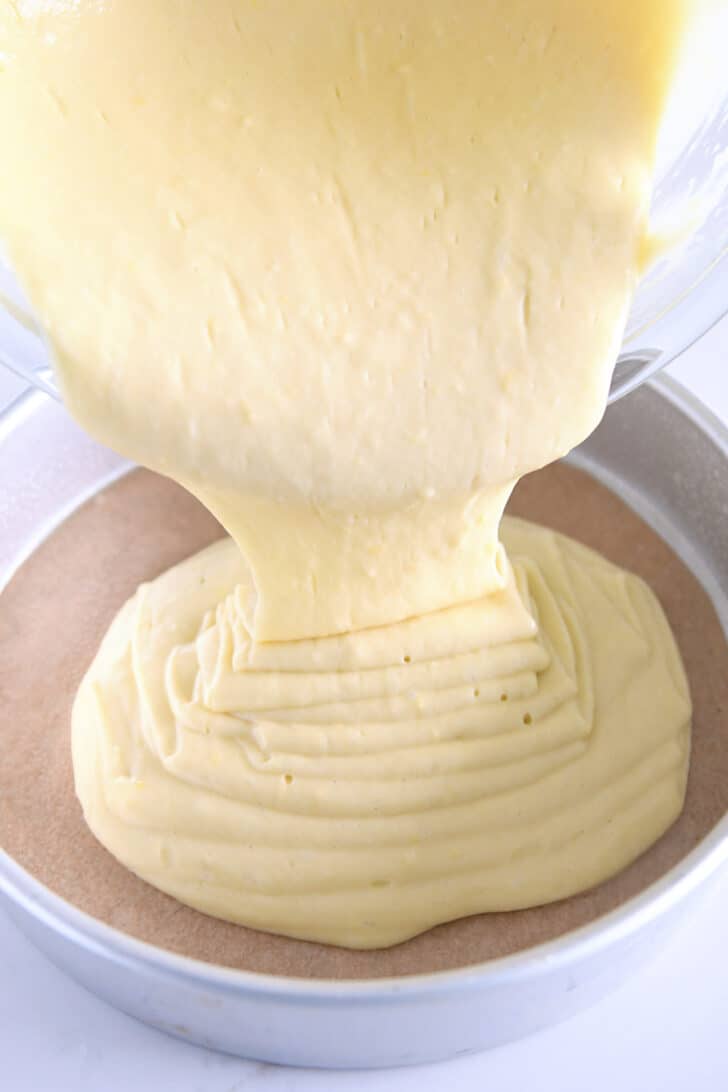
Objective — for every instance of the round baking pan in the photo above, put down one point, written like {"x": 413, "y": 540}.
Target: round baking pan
{"x": 667, "y": 457}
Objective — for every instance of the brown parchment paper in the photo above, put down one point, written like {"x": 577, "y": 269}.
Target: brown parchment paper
{"x": 56, "y": 609}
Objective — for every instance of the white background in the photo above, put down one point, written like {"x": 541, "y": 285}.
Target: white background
{"x": 665, "y": 1030}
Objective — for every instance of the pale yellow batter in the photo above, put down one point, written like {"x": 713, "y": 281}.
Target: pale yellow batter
{"x": 357, "y": 790}
{"x": 347, "y": 269}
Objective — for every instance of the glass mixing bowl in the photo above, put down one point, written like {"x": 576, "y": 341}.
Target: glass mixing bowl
{"x": 683, "y": 294}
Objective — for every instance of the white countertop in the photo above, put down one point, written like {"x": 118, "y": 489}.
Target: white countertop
{"x": 664, "y": 1030}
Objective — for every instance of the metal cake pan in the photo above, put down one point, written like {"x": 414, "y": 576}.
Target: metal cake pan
{"x": 666, "y": 455}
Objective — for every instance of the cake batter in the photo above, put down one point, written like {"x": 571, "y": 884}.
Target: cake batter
{"x": 347, "y": 271}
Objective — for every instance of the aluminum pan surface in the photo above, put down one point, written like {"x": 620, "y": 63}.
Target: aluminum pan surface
{"x": 685, "y": 498}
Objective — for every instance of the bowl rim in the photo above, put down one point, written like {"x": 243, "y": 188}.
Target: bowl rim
{"x": 558, "y": 954}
